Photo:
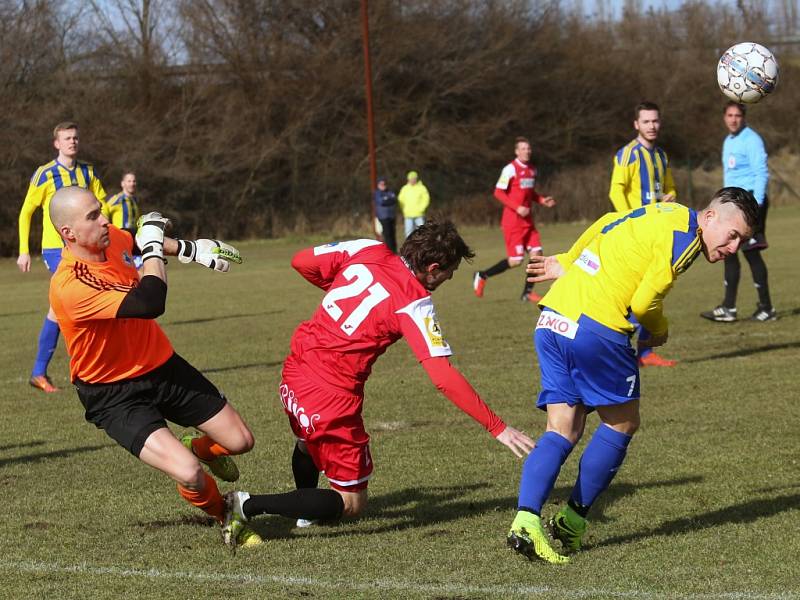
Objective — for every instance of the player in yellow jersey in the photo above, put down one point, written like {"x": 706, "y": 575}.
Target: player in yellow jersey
{"x": 623, "y": 265}
{"x": 123, "y": 207}
{"x": 65, "y": 170}
{"x": 640, "y": 177}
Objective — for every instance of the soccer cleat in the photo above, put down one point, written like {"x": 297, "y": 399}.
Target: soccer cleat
{"x": 223, "y": 467}
{"x": 248, "y": 538}
{"x": 531, "y": 297}
{"x": 764, "y": 314}
{"x": 568, "y": 527}
{"x": 235, "y": 531}
{"x": 44, "y": 383}
{"x": 654, "y": 360}
{"x": 303, "y": 523}
{"x": 528, "y": 537}
{"x": 478, "y": 283}
{"x": 721, "y": 314}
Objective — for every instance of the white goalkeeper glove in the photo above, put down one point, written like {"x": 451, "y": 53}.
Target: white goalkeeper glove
{"x": 209, "y": 253}
{"x": 150, "y": 235}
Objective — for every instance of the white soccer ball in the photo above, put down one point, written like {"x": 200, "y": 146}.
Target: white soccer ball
{"x": 747, "y": 72}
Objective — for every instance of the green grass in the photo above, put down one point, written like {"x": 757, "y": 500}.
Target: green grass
{"x": 706, "y": 505}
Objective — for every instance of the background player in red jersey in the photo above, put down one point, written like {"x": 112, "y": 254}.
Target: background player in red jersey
{"x": 515, "y": 189}
{"x": 374, "y": 298}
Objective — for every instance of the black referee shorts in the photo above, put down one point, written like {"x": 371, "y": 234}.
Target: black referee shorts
{"x": 130, "y": 410}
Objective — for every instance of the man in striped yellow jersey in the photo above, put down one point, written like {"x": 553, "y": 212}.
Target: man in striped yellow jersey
{"x": 123, "y": 207}
{"x": 624, "y": 264}
{"x": 640, "y": 177}
{"x": 66, "y": 170}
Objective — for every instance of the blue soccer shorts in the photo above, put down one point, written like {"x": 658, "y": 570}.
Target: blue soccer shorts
{"x": 51, "y": 258}
{"x": 584, "y": 362}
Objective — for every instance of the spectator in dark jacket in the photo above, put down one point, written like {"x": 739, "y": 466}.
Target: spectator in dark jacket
{"x": 385, "y": 211}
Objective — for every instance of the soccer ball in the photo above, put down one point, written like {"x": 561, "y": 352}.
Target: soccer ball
{"x": 747, "y": 72}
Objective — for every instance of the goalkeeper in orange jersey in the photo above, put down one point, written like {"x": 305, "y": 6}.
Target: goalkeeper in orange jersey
{"x": 127, "y": 375}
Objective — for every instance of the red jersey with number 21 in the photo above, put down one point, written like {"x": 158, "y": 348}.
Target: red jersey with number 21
{"x": 373, "y": 299}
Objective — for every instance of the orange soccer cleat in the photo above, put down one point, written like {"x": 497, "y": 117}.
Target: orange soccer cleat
{"x": 654, "y": 360}
{"x": 43, "y": 382}
{"x": 531, "y": 297}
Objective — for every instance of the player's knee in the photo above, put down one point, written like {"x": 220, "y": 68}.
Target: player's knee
{"x": 354, "y": 504}
{"x": 242, "y": 443}
{"x": 628, "y": 426}
{"x": 247, "y": 440}
{"x": 514, "y": 262}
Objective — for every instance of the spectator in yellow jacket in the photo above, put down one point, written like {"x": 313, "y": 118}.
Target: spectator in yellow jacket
{"x": 413, "y": 200}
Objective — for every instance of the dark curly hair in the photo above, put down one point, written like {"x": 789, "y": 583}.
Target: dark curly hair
{"x": 435, "y": 242}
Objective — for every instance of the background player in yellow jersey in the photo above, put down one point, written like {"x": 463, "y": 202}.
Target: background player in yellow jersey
{"x": 625, "y": 263}
{"x": 640, "y": 177}
{"x": 65, "y": 170}
{"x": 123, "y": 207}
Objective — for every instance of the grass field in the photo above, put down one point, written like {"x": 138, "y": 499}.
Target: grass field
{"x": 706, "y": 505}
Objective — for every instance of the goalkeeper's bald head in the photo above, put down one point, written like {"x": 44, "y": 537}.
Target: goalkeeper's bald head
{"x": 76, "y": 214}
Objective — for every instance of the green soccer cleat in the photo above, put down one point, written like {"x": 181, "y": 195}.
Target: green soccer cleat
{"x": 235, "y": 531}
{"x": 248, "y": 538}
{"x": 223, "y": 467}
{"x": 528, "y": 537}
{"x": 569, "y": 528}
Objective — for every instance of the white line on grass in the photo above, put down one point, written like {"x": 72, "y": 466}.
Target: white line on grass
{"x": 377, "y": 585}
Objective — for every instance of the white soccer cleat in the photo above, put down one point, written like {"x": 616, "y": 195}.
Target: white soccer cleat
{"x": 303, "y": 523}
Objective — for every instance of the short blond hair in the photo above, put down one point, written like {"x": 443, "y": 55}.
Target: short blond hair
{"x": 63, "y": 126}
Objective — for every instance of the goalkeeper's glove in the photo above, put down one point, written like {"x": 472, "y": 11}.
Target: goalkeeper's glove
{"x": 150, "y": 235}
{"x": 209, "y": 253}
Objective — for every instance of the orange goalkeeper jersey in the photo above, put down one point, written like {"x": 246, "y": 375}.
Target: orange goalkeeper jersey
{"x": 86, "y": 297}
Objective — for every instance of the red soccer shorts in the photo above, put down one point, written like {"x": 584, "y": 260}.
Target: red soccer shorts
{"x": 521, "y": 238}
{"x": 330, "y": 424}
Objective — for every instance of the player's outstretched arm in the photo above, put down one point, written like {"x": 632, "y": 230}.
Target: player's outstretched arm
{"x": 213, "y": 254}
{"x": 516, "y": 441}
{"x": 458, "y": 390}
{"x": 544, "y": 268}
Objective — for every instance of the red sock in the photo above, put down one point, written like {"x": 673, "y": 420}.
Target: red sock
{"x": 207, "y": 449}
{"x": 208, "y": 499}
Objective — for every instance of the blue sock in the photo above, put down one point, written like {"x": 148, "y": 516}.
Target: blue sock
{"x": 599, "y": 463}
{"x": 48, "y": 340}
{"x": 540, "y": 471}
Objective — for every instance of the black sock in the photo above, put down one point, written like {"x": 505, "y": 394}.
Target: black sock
{"x": 759, "y": 269}
{"x": 732, "y": 273}
{"x": 579, "y": 508}
{"x": 495, "y": 269}
{"x": 528, "y": 286}
{"x": 304, "y": 470}
{"x": 308, "y": 503}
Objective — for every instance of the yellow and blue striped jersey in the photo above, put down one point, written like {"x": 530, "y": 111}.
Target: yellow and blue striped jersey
{"x": 45, "y": 182}
{"x": 640, "y": 177}
{"x": 625, "y": 263}
{"x": 124, "y": 210}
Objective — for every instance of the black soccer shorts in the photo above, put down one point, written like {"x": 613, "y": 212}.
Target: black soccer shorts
{"x": 130, "y": 410}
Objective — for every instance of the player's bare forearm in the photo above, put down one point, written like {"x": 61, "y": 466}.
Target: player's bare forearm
{"x": 170, "y": 246}
{"x": 155, "y": 267}
{"x": 543, "y": 268}
{"x": 516, "y": 441}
